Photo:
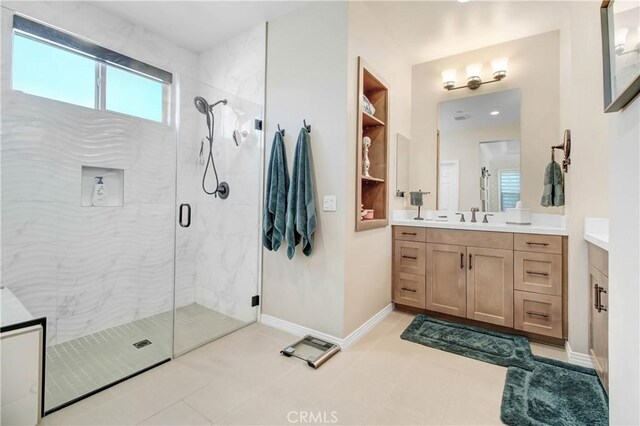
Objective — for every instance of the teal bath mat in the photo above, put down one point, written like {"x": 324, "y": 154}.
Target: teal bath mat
{"x": 554, "y": 393}
{"x": 538, "y": 391}
{"x": 473, "y": 342}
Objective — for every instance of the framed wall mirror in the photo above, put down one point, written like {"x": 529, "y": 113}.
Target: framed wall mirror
{"x": 479, "y": 150}
{"x": 403, "y": 159}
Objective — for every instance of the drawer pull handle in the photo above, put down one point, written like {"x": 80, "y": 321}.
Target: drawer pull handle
{"x": 409, "y": 233}
{"x": 408, "y": 289}
{"x": 599, "y": 306}
{"x": 533, "y": 243}
{"x": 538, "y": 314}
{"x": 409, "y": 257}
{"x": 542, "y": 274}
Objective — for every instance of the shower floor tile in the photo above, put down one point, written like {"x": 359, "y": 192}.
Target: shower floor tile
{"x": 80, "y": 366}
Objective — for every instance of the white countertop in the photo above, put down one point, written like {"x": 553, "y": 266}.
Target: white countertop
{"x": 547, "y": 224}
{"x": 596, "y": 231}
{"x": 13, "y": 311}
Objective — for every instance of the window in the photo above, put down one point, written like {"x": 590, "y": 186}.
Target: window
{"x": 56, "y": 65}
{"x": 509, "y": 188}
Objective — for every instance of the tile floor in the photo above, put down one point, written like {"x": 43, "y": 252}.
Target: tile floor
{"x": 79, "y": 366}
{"x": 241, "y": 379}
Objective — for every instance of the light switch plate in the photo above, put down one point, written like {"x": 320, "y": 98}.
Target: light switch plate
{"x": 329, "y": 204}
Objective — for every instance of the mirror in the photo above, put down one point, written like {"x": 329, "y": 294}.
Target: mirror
{"x": 479, "y": 152}
{"x": 403, "y": 157}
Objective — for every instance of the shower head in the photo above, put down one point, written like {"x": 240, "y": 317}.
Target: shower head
{"x": 201, "y": 104}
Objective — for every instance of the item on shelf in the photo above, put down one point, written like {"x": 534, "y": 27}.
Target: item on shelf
{"x": 366, "y": 143}
{"x": 518, "y": 215}
{"x": 99, "y": 195}
{"x": 416, "y": 200}
{"x": 367, "y": 106}
{"x": 368, "y": 214}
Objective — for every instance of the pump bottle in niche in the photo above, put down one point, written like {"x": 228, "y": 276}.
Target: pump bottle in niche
{"x": 99, "y": 194}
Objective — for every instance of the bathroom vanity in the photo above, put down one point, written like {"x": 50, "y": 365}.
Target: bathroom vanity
{"x": 597, "y": 237}
{"x": 507, "y": 276}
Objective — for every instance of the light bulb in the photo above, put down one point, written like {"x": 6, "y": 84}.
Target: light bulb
{"x": 449, "y": 78}
{"x": 473, "y": 76}
{"x": 474, "y": 70}
{"x": 499, "y": 67}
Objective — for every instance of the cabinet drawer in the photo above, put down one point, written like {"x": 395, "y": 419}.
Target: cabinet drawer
{"x": 409, "y": 257}
{"x": 409, "y": 233}
{"x": 409, "y": 290}
{"x": 538, "y": 243}
{"x": 485, "y": 239}
{"x": 538, "y": 272}
{"x": 538, "y": 313}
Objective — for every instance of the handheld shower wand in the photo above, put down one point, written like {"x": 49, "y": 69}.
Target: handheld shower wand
{"x": 222, "y": 188}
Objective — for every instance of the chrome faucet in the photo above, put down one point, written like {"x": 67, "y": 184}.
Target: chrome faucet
{"x": 473, "y": 214}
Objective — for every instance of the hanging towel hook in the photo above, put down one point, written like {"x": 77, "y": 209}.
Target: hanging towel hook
{"x": 306, "y": 126}
{"x": 281, "y": 130}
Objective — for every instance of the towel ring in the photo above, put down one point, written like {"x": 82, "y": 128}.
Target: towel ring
{"x": 566, "y": 147}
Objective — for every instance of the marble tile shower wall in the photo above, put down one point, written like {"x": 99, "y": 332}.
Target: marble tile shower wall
{"x": 217, "y": 256}
{"x": 85, "y": 268}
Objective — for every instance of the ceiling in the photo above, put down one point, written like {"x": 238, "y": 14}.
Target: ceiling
{"x": 198, "y": 25}
{"x": 476, "y": 111}
{"x": 427, "y": 30}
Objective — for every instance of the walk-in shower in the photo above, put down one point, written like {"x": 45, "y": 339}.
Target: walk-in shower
{"x": 122, "y": 286}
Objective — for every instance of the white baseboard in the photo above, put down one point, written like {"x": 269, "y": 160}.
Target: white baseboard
{"x": 577, "y": 358}
{"x": 344, "y": 343}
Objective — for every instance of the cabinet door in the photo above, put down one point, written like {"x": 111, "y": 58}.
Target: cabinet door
{"x": 446, "y": 279}
{"x": 490, "y": 285}
{"x": 599, "y": 323}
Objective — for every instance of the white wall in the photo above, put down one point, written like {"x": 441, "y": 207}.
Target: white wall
{"x": 624, "y": 258}
{"x": 587, "y": 182}
{"x": 307, "y": 79}
{"x": 534, "y": 69}
{"x": 368, "y": 253}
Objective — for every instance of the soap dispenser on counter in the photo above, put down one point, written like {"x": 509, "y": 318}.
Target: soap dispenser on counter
{"x": 99, "y": 194}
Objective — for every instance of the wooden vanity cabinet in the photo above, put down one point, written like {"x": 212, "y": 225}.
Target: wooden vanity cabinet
{"x": 510, "y": 280}
{"x": 490, "y": 285}
{"x": 599, "y": 313}
{"x": 446, "y": 279}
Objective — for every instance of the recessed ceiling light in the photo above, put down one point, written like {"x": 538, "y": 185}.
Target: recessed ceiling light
{"x": 463, "y": 1}
{"x": 494, "y": 112}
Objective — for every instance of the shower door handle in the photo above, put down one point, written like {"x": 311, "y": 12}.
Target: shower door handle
{"x": 181, "y": 218}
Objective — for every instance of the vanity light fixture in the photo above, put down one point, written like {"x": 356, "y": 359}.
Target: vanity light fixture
{"x": 498, "y": 66}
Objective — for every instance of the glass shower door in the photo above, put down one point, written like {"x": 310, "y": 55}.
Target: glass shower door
{"x": 217, "y": 240}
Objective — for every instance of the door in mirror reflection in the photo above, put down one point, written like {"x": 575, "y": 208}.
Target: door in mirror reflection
{"x": 480, "y": 152}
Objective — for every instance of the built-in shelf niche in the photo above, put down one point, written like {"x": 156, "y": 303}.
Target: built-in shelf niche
{"x": 113, "y": 180}
{"x": 372, "y": 191}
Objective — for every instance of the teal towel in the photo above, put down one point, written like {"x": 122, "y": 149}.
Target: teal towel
{"x": 301, "y": 205}
{"x": 275, "y": 198}
{"x": 553, "y": 193}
